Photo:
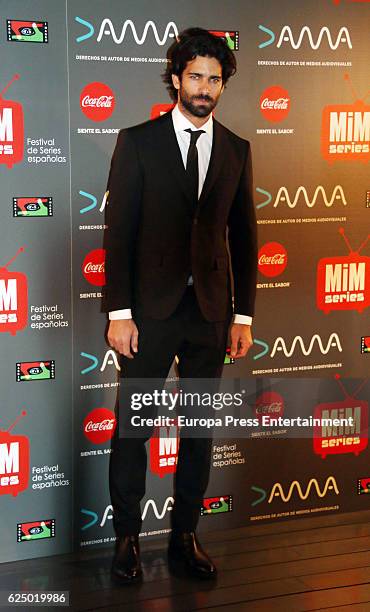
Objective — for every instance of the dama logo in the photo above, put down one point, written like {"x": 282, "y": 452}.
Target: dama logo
{"x": 284, "y": 198}
{"x": 164, "y": 446}
{"x": 33, "y": 207}
{"x": 99, "y": 425}
{"x": 277, "y": 491}
{"x": 37, "y": 530}
{"x": 93, "y": 517}
{"x": 107, "y": 29}
{"x": 275, "y": 104}
{"x": 286, "y": 37}
{"x": 345, "y": 131}
{"x": 343, "y": 283}
{"x": 158, "y": 512}
{"x": 97, "y": 101}
{"x": 93, "y": 267}
{"x": 339, "y": 439}
{"x": 216, "y": 505}
{"x": 14, "y": 461}
{"x": 269, "y": 404}
{"x": 11, "y": 129}
{"x": 363, "y": 486}
{"x": 160, "y": 109}
{"x": 27, "y": 31}
{"x": 93, "y": 202}
{"x": 272, "y": 259}
{"x": 231, "y": 37}
{"x": 110, "y": 358}
{"x": 107, "y": 514}
{"x": 280, "y": 345}
{"x": 13, "y": 299}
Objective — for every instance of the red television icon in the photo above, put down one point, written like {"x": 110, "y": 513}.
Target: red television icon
{"x": 345, "y": 130}
{"x": 160, "y": 109}
{"x": 333, "y": 440}
{"x": 343, "y": 283}
{"x": 13, "y": 299}
{"x": 11, "y": 129}
{"x": 14, "y": 461}
{"x": 164, "y": 445}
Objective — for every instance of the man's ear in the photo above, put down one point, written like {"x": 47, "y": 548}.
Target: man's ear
{"x": 175, "y": 81}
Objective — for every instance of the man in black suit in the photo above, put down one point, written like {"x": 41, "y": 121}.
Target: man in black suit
{"x": 180, "y": 188}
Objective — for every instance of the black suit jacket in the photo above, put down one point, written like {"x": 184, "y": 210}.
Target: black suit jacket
{"x": 157, "y": 236}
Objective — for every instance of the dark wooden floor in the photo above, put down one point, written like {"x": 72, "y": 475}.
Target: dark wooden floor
{"x": 309, "y": 564}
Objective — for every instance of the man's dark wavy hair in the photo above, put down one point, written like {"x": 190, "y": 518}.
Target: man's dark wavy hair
{"x": 189, "y": 44}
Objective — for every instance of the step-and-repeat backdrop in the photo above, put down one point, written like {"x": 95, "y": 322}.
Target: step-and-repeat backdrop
{"x": 72, "y": 75}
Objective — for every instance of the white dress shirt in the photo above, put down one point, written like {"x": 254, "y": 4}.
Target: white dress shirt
{"x": 204, "y": 146}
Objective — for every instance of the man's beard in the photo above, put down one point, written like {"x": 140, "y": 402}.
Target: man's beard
{"x": 198, "y": 110}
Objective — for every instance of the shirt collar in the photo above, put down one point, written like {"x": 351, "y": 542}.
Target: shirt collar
{"x": 181, "y": 123}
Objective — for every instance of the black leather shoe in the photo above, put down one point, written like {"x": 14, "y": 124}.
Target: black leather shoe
{"x": 184, "y": 551}
{"x": 126, "y": 565}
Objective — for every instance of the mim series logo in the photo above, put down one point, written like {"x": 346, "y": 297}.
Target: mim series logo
{"x": 164, "y": 446}
{"x": 296, "y": 490}
{"x": 345, "y": 131}
{"x": 126, "y": 32}
{"x": 343, "y": 283}
{"x": 14, "y": 461}
{"x": 11, "y": 129}
{"x": 298, "y": 344}
{"x": 287, "y": 38}
{"x": 13, "y": 299}
{"x": 333, "y": 439}
{"x": 301, "y": 197}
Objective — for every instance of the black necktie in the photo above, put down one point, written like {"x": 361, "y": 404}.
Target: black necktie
{"x": 192, "y": 170}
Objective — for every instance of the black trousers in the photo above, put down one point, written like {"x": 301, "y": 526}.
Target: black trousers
{"x": 200, "y": 346}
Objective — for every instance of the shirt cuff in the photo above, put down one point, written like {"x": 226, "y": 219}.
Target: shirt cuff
{"x": 243, "y": 319}
{"x": 124, "y": 313}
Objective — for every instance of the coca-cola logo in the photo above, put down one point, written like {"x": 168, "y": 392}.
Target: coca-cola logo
{"x": 272, "y": 259}
{"x": 275, "y": 103}
{"x": 93, "y": 267}
{"x": 97, "y": 101}
{"x": 269, "y": 405}
{"x": 99, "y": 425}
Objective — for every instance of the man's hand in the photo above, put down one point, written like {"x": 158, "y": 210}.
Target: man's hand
{"x": 241, "y": 340}
{"x": 123, "y": 336}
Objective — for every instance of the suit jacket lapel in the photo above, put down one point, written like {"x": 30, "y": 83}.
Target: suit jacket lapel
{"x": 218, "y": 156}
{"x": 175, "y": 163}
{"x": 173, "y": 155}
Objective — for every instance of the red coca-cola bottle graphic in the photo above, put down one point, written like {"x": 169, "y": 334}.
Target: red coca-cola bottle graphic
{"x": 11, "y": 129}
